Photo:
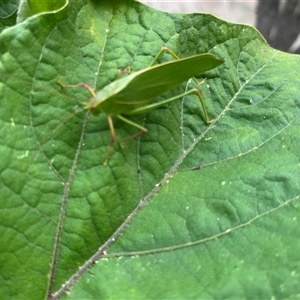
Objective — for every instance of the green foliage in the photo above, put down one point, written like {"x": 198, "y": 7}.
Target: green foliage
{"x": 29, "y": 8}
{"x": 222, "y": 213}
{"x": 8, "y": 13}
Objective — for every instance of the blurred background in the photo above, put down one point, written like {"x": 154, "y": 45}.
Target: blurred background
{"x": 277, "y": 20}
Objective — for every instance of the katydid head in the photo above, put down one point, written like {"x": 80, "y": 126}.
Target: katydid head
{"x": 105, "y": 99}
{"x": 94, "y": 104}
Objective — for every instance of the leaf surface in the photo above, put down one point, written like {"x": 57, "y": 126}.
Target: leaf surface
{"x": 186, "y": 211}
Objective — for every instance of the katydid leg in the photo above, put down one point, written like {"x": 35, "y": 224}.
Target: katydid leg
{"x": 142, "y": 131}
{"x": 112, "y": 131}
{"x": 80, "y": 85}
{"x": 88, "y": 87}
{"x": 169, "y": 51}
{"x": 150, "y": 107}
{"x": 109, "y": 119}
{"x": 161, "y": 52}
{"x": 113, "y": 134}
{"x": 123, "y": 72}
{"x": 112, "y": 138}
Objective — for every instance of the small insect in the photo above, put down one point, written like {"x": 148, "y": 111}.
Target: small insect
{"x": 133, "y": 93}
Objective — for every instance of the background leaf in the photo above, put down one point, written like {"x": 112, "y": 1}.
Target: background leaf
{"x": 8, "y": 13}
{"x": 29, "y": 8}
{"x": 222, "y": 213}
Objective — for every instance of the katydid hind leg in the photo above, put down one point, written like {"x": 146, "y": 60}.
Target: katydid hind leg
{"x": 161, "y": 52}
{"x": 150, "y": 107}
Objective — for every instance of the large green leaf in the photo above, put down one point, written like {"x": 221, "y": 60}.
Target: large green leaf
{"x": 222, "y": 213}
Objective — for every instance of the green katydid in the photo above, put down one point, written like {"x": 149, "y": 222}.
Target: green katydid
{"x": 131, "y": 94}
